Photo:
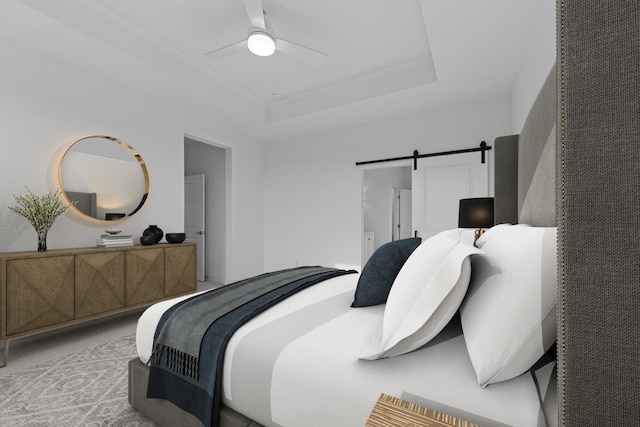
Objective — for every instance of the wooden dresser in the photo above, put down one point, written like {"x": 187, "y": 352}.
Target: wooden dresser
{"x": 41, "y": 291}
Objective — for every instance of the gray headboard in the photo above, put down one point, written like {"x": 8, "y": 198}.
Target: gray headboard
{"x": 598, "y": 205}
{"x": 525, "y": 181}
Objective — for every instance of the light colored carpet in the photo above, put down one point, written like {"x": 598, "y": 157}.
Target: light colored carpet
{"x": 87, "y": 388}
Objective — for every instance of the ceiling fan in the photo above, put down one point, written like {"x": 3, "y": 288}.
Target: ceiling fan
{"x": 262, "y": 41}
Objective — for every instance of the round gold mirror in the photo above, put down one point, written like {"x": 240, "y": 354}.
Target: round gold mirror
{"x": 105, "y": 176}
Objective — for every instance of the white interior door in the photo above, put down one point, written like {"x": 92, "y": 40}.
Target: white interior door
{"x": 405, "y": 214}
{"x": 194, "y": 215}
{"x": 439, "y": 183}
{"x": 395, "y": 213}
{"x": 401, "y": 225}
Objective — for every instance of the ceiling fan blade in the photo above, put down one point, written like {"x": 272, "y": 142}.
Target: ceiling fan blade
{"x": 256, "y": 13}
{"x": 306, "y": 54}
{"x": 227, "y": 51}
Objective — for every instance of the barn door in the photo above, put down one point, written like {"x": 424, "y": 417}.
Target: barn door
{"x": 438, "y": 184}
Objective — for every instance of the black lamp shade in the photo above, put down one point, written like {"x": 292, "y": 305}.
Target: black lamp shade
{"x": 476, "y": 213}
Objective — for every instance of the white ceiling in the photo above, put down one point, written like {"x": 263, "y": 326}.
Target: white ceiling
{"x": 385, "y": 57}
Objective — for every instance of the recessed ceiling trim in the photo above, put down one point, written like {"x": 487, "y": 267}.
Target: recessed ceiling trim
{"x": 97, "y": 21}
{"x": 381, "y": 82}
{"x": 122, "y": 43}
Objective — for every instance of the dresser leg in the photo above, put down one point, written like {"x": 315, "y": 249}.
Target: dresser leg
{"x": 6, "y": 354}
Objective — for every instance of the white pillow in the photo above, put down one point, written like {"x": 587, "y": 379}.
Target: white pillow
{"x": 509, "y": 314}
{"x": 425, "y": 295}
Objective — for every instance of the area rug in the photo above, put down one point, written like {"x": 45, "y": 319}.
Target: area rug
{"x": 87, "y": 388}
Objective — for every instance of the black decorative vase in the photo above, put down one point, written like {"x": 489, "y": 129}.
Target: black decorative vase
{"x": 147, "y": 240}
{"x": 154, "y": 231}
{"x": 42, "y": 241}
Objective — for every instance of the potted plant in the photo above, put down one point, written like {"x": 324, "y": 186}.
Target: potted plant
{"x": 40, "y": 211}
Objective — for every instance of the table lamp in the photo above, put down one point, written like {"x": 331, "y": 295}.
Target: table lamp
{"x": 476, "y": 213}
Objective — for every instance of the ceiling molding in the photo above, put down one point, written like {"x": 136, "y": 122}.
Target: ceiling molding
{"x": 369, "y": 85}
{"x": 399, "y": 58}
{"x": 93, "y": 20}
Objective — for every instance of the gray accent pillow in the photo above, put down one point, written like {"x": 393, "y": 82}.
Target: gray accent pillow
{"x": 381, "y": 270}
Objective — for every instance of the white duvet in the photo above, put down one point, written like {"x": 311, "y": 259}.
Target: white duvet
{"x": 297, "y": 365}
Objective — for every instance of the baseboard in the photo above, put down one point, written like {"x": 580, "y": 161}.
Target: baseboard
{"x": 215, "y": 278}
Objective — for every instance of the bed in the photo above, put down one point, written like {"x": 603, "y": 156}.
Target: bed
{"x": 476, "y": 342}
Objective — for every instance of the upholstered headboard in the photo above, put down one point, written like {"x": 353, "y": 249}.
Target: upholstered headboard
{"x": 598, "y": 206}
{"x": 525, "y": 182}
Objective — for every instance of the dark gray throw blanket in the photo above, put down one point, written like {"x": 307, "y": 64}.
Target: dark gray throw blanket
{"x": 191, "y": 337}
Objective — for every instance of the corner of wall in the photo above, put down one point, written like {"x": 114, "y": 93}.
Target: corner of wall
{"x": 538, "y": 59}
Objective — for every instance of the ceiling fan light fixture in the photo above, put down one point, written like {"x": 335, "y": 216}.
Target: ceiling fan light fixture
{"x": 261, "y": 43}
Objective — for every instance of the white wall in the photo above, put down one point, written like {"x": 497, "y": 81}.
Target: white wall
{"x": 538, "y": 58}
{"x": 313, "y": 189}
{"x": 313, "y": 201}
{"x": 45, "y": 106}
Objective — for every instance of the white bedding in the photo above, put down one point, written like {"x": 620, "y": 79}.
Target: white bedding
{"x": 296, "y": 365}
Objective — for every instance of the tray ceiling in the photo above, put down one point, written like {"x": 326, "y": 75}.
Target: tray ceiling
{"x": 385, "y": 58}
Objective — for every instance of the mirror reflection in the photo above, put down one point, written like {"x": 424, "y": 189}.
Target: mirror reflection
{"x": 105, "y": 176}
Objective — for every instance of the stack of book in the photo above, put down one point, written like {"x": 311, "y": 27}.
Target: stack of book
{"x": 114, "y": 240}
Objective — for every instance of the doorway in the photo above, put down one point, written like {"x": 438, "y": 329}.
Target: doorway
{"x": 203, "y": 158}
{"x": 386, "y": 194}
{"x": 401, "y": 215}
{"x": 194, "y": 215}
{"x": 435, "y": 189}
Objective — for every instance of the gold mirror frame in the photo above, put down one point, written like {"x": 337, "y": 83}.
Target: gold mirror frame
{"x": 102, "y": 183}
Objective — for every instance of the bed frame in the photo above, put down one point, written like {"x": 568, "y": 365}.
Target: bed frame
{"x": 524, "y": 192}
{"x": 164, "y": 413}
{"x": 598, "y": 190}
